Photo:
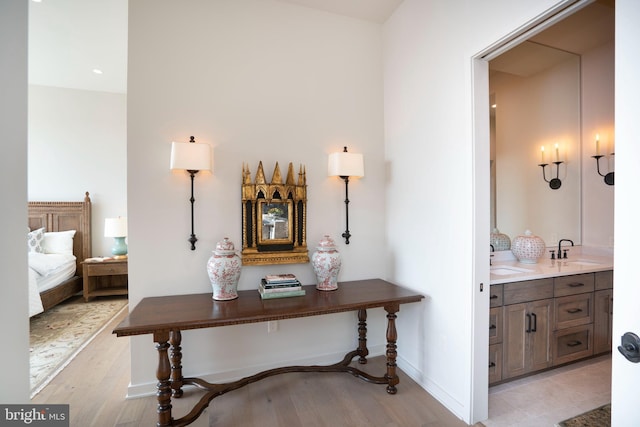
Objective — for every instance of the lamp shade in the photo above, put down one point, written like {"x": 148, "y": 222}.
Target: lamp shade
{"x": 115, "y": 227}
{"x": 190, "y": 156}
{"x": 346, "y": 164}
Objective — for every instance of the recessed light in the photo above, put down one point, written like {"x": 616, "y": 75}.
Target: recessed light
{"x": 97, "y": 71}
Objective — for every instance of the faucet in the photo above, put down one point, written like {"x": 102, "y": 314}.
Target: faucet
{"x": 492, "y": 250}
{"x": 565, "y": 251}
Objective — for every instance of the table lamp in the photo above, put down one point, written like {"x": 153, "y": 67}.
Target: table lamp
{"x": 117, "y": 228}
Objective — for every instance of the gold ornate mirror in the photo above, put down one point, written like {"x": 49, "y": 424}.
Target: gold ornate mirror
{"x": 274, "y": 217}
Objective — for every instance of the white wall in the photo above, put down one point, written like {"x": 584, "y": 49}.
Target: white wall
{"x": 77, "y": 143}
{"x": 13, "y": 175}
{"x": 259, "y": 80}
{"x": 430, "y": 148}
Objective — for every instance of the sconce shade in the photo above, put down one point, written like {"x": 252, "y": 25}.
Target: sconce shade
{"x": 190, "y": 156}
{"x": 346, "y": 164}
{"x": 115, "y": 227}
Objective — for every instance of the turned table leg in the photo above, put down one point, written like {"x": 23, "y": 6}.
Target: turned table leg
{"x": 363, "y": 351}
{"x": 164, "y": 384}
{"x": 175, "y": 338}
{"x": 392, "y": 336}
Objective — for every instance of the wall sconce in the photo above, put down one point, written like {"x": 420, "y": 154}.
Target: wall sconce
{"x": 554, "y": 183}
{"x": 117, "y": 228}
{"x": 609, "y": 177}
{"x": 346, "y": 165}
{"x": 193, "y": 158}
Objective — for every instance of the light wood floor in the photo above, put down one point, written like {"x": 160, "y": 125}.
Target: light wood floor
{"x": 95, "y": 384}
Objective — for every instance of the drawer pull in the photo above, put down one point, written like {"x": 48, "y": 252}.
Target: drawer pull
{"x": 491, "y": 365}
{"x": 575, "y": 285}
{"x": 492, "y": 327}
{"x": 574, "y": 310}
{"x": 493, "y": 297}
{"x": 574, "y": 343}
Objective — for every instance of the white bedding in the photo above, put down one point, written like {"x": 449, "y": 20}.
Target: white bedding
{"x": 45, "y": 272}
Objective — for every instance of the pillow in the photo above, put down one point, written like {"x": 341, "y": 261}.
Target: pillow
{"x": 34, "y": 240}
{"x": 59, "y": 242}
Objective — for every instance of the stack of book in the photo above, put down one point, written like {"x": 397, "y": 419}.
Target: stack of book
{"x": 280, "y": 286}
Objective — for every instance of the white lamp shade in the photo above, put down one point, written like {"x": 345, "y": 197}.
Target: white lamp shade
{"x": 190, "y": 156}
{"x": 346, "y": 164}
{"x": 115, "y": 227}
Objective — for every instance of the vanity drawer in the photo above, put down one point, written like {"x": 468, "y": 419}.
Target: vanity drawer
{"x": 604, "y": 280}
{"x": 572, "y": 285}
{"x": 495, "y": 295}
{"x": 573, "y": 310}
{"x": 528, "y": 290}
{"x": 495, "y": 363}
{"x": 572, "y": 343}
{"x": 495, "y": 325}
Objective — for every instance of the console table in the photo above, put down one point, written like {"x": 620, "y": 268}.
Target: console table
{"x": 165, "y": 318}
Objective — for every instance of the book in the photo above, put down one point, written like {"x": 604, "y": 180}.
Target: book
{"x": 280, "y": 278}
{"x": 267, "y": 285}
{"x": 279, "y": 289}
{"x": 272, "y": 295}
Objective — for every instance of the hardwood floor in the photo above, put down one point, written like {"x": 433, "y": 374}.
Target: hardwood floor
{"x": 95, "y": 383}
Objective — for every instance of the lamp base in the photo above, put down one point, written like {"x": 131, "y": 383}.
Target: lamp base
{"x": 119, "y": 247}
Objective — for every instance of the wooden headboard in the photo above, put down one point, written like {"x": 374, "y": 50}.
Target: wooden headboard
{"x": 62, "y": 216}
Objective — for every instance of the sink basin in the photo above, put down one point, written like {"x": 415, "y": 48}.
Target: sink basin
{"x": 583, "y": 262}
{"x": 507, "y": 270}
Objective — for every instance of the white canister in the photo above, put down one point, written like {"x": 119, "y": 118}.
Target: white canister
{"x": 528, "y": 248}
{"x": 326, "y": 263}
{"x": 500, "y": 241}
{"x": 224, "y": 269}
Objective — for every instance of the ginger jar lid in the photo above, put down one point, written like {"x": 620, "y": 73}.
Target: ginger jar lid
{"x": 326, "y": 244}
{"x": 224, "y": 247}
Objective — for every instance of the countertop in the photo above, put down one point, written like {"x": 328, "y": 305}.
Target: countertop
{"x": 505, "y": 267}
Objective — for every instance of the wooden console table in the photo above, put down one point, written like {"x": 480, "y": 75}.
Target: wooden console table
{"x": 165, "y": 318}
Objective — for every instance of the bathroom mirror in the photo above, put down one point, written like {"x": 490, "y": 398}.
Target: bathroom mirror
{"x": 535, "y": 97}
{"x": 274, "y": 217}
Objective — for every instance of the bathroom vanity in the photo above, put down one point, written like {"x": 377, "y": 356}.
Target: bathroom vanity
{"x": 548, "y": 314}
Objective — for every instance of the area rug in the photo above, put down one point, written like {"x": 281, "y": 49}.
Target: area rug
{"x": 599, "y": 417}
{"x": 60, "y": 333}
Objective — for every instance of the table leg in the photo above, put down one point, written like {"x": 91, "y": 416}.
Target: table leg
{"x": 175, "y": 338}
{"x": 362, "y": 336}
{"x": 164, "y": 384}
{"x": 392, "y": 336}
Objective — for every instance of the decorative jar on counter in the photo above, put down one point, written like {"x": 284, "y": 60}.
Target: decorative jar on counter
{"x": 499, "y": 241}
{"x": 528, "y": 248}
{"x": 326, "y": 263}
{"x": 224, "y": 269}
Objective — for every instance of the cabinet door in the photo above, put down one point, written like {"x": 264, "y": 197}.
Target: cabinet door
{"x": 495, "y": 325}
{"x": 495, "y": 363}
{"x": 527, "y": 337}
{"x": 541, "y": 335}
{"x": 515, "y": 339}
{"x": 602, "y": 321}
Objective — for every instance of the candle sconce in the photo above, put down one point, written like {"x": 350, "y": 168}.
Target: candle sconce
{"x": 609, "y": 177}
{"x": 554, "y": 183}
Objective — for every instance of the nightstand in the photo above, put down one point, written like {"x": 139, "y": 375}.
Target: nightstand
{"x": 108, "y": 277}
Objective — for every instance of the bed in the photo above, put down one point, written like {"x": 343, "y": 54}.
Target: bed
{"x": 57, "y": 221}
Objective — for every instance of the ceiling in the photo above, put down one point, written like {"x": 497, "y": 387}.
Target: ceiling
{"x": 68, "y": 39}
{"x": 588, "y": 28}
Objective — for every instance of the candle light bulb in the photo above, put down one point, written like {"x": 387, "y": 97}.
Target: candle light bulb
{"x": 557, "y": 153}
{"x": 597, "y": 144}
{"x": 542, "y": 154}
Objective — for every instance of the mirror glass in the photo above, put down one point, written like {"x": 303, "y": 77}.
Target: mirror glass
{"x": 275, "y": 226}
{"x": 535, "y": 119}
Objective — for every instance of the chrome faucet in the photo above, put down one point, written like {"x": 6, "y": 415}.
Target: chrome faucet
{"x": 565, "y": 251}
